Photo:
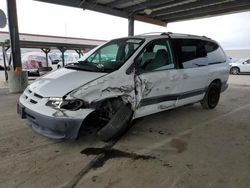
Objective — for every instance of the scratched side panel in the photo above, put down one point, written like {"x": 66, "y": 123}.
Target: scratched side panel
{"x": 153, "y": 85}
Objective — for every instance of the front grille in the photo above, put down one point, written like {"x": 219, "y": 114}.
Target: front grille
{"x": 33, "y": 101}
{"x": 39, "y": 96}
{"x": 32, "y": 97}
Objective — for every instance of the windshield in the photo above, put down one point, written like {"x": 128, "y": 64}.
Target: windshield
{"x": 109, "y": 57}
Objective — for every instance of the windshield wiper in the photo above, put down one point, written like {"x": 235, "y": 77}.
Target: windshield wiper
{"x": 83, "y": 61}
{"x": 78, "y": 66}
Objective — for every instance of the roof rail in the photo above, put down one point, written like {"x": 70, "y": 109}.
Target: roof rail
{"x": 191, "y": 35}
{"x": 156, "y": 33}
{"x": 166, "y": 33}
{"x": 206, "y": 37}
{"x": 170, "y": 33}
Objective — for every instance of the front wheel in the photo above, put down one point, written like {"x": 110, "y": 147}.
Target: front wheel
{"x": 235, "y": 70}
{"x": 211, "y": 97}
{"x": 117, "y": 125}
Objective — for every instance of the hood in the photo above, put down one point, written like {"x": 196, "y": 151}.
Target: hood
{"x": 62, "y": 81}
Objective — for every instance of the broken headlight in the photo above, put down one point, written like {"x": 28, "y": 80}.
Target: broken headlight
{"x": 68, "y": 104}
{"x": 54, "y": 102}
{"x": 74, "y": 104}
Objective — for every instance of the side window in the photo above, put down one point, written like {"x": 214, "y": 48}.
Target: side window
{"x": 191, "y": 53}
{"x": 248, "y": 61}
{"x": 156, "y": 56}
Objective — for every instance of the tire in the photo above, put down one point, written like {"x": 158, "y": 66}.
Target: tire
{"x": 118, "y": 124}
{"x": 234, "y": 70}
{"x": 212, "y": 96}
{"x": 58, "y": 66}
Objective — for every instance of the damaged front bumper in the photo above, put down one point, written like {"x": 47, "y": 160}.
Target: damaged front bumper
{"x": 50, "y": 122}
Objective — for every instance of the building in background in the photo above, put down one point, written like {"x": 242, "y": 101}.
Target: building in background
{"x": 238, "y": 53}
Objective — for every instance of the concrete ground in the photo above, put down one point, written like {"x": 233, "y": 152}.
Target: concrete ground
{"x": 180, "y": 148}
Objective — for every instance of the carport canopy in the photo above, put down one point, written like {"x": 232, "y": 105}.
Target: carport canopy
{"x": 159, "y": 12}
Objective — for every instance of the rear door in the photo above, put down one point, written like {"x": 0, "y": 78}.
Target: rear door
{"x": 157, "y": 79}
{"x": 193, "y": 66}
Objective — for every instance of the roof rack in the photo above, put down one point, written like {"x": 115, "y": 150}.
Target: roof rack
{"x": 170, "y": 33}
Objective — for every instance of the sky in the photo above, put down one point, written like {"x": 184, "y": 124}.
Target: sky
{"x": 231, "y": 31}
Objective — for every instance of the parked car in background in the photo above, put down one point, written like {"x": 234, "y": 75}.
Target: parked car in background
{"x": 54, "y": 57}
{"x": 68, "y": 58}
{"x": 125, "y": 79}
{"x": 240, "y": 66}
{"x": 35, "y": 63}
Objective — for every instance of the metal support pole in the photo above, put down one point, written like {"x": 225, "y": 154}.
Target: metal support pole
{"x": 79, "y": 52}
{"x": 131, "y": 25}
{"x": 46, "y": 51}
{"x": 14, "y": 34}
{"x": 62, "y": 50}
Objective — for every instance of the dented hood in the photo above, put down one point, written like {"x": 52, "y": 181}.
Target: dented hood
{"x": 62, "y": 81}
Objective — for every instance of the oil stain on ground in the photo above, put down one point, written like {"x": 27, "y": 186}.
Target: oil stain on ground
{"x": 111, "y": 154}
{"x": 179, "y": 144}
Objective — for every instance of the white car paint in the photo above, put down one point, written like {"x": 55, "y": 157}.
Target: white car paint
{"x": 60, "y": 82}
{"x": 147, "y": 92}
{"x": 242, "y": 64}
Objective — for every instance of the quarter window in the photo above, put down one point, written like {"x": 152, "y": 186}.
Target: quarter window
{"x": 215, "y": 54}
{"x": 210, "y": 46}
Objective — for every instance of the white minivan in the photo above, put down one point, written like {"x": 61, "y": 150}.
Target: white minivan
{"x": 125, "y": 79}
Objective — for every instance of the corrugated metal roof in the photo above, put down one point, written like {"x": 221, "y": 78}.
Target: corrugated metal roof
{"x": 159, "y": 12}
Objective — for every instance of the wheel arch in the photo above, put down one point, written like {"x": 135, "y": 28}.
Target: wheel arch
{"x": 217, "y": 81}
{"x": 100, "y": 105}
{"x": 235, "y": 67}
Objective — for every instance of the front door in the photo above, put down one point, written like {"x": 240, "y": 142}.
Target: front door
{"x": 246, "y": 66}
{"x": 157, "y": 80}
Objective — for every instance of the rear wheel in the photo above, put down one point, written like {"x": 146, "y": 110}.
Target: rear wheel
{"x": 212, "y": 96}
{"x": 234, "y": 70}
